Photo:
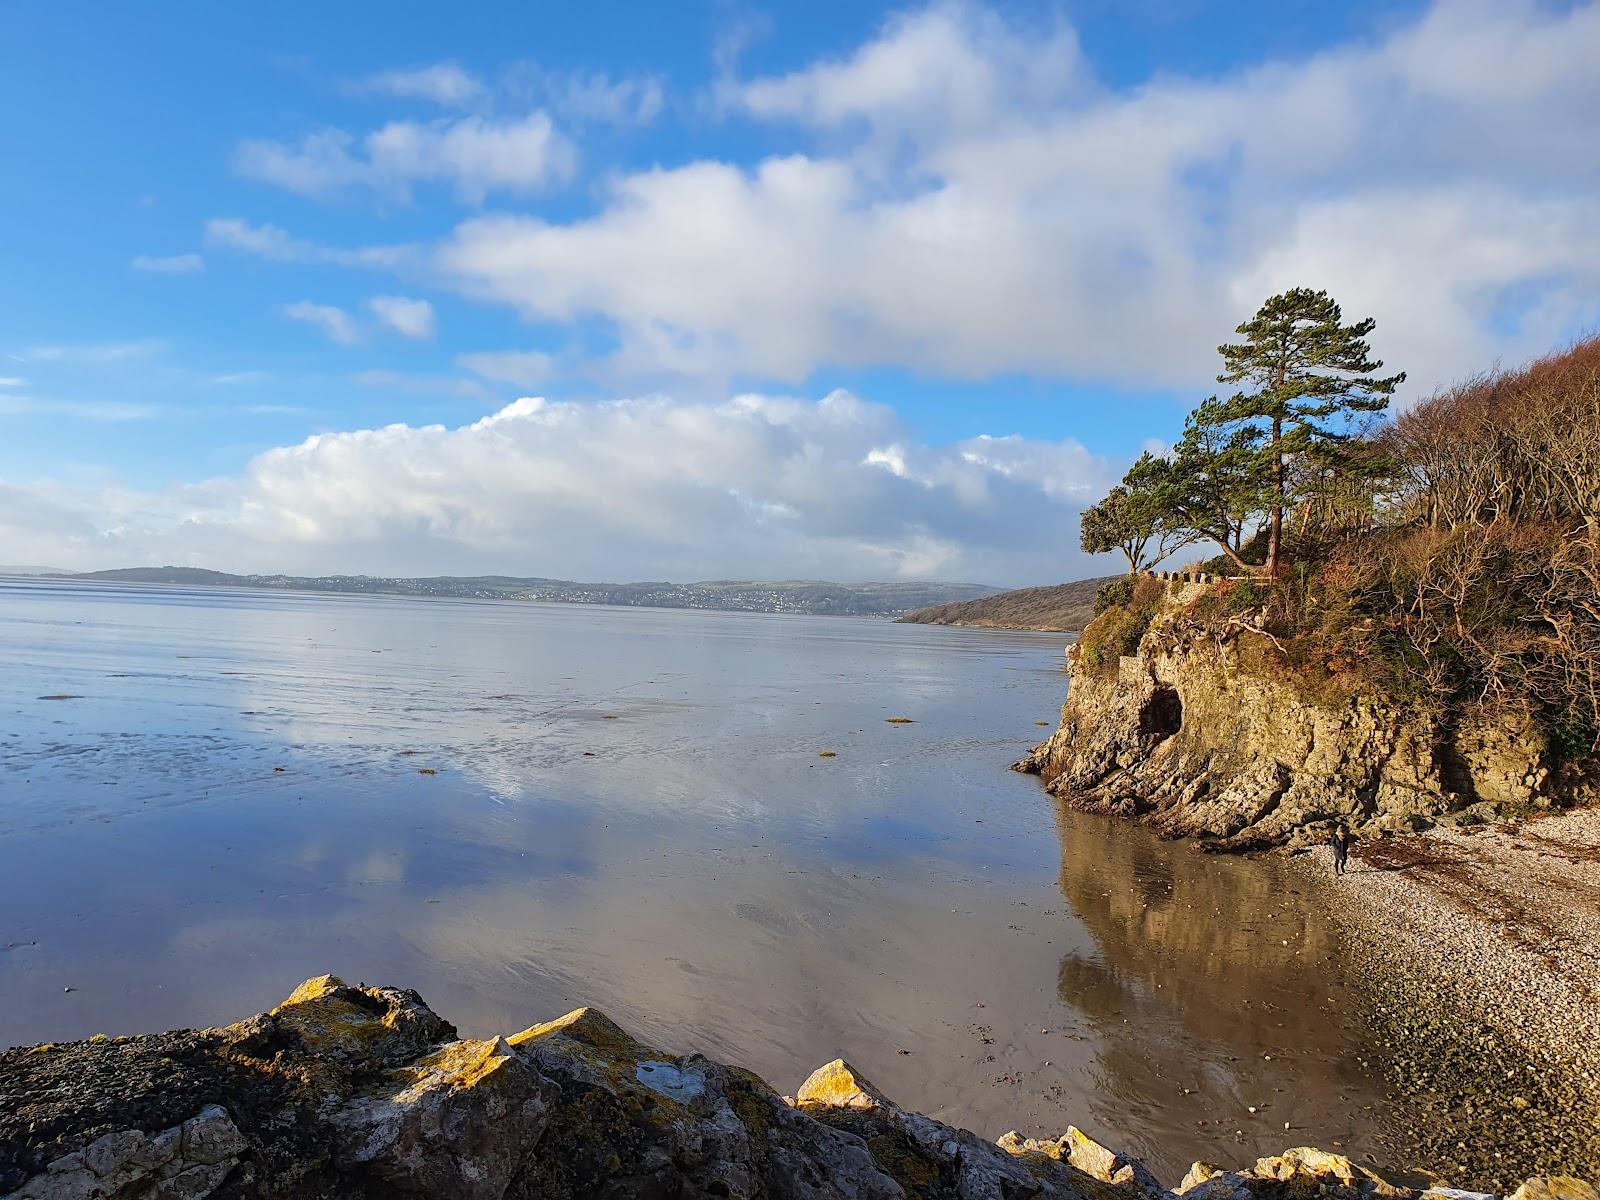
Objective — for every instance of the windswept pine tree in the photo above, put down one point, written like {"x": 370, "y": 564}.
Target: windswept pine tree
{"x": 1308, "y": 375}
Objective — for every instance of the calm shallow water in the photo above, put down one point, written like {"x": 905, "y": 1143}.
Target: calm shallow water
{"x": 207, "y": 796}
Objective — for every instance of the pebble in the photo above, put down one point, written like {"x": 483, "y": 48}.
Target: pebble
{"x": 1477, "y": 960}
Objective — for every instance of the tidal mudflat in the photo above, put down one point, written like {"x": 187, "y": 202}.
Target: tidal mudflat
{"x": 208, "y": 795}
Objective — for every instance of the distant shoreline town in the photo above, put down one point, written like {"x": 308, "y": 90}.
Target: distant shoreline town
{"x": 806, "y": 597}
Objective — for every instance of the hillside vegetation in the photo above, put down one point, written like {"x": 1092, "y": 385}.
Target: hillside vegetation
{"x": 1447, "y": 558}
{"x": 1063, "y": 608}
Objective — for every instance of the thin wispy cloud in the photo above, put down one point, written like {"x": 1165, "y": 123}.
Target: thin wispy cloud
{"x": 582, "y": 97}
{"x": 446, "y": 84}
{"x": 92, "y": 410}
{"x": 474, "y": 155}
{"x": 175, "y": 264}
{"x": 523, "y": 368}
{"x": 278, "y": 245}
{"x": 405, "y": 315}
{"x": 335, "y": 322}
{"x": 93, "y": 352}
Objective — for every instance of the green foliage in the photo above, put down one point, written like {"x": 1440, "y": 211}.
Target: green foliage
{"x": 1245, "y": 595}
{"x": 1449, "y": 558}
{"x": 1288, "y": 437}
{"x": 1121, "y": 625}
{"x": 1307, "y": 375}
{"x": 1573, "y": 737}
{"x": 1129, "y": 519}
{"x": 1113, "y": 593}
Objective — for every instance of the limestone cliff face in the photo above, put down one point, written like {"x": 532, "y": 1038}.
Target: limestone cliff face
{"x": 342, "y": 1093}
{"x": 1187, "y": 739}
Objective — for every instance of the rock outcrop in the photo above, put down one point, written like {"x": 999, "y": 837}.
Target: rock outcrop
{"x": 1188, "y": 738}
{"x": 343, "y": 1092}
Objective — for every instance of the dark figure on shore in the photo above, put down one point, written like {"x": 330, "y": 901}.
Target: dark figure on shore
{"x": 1340, "y": 841}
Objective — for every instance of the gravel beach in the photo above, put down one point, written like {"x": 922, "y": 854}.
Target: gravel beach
{"x": 1480, "y": 953}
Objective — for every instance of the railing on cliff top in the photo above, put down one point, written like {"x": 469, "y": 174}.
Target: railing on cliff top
{"x": 1181, "y": 578}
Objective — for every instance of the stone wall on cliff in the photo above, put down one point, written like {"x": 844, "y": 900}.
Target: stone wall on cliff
{"x": 343, "y": 1092}
{"x": 1187, "y": 737}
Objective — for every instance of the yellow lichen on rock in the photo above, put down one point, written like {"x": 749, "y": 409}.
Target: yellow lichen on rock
{"x": 839, "y": 1085}
{"x": 1555, "y": 1187}
{"x": 1306, "y": 1167}
{"x": 312, "y": 989}
{"x": 324, "y": 1016}
{"x": 591, "y": 1028}
{"x": 463, "y": 1064}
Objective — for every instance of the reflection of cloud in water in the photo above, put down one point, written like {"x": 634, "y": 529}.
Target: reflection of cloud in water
{"x": 700, "y": 872}
{"x": 380, "y": 867}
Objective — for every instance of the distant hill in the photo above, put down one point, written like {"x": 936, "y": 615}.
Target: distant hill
{"x": 1064, "y": 608}
{"x": 811, "y": 596}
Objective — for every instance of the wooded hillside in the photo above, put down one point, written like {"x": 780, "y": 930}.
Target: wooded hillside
{"x": 1063, "y": 608}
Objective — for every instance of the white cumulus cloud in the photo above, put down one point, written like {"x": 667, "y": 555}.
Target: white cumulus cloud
{"x": 644, "y": 488}
{"x": 963, "y": 195}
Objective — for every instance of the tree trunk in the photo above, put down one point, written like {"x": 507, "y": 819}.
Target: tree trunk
{"x": 1275, "y": 535}
{"x": 1233, "y": 555}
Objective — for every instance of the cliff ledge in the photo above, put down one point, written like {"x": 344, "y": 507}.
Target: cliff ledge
{"x": 1193, "y": 735}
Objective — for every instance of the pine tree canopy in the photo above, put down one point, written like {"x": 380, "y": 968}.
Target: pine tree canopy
{"x": 1304, "y": 366}
{"x": 1244, "y": 460}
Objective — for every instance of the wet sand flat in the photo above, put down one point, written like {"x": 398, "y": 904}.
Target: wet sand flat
{"x": 631, "y": 808}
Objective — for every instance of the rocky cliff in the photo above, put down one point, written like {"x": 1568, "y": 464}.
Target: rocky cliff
{"x": 1194, "y": 735}
{"x": 343, "y": 1092}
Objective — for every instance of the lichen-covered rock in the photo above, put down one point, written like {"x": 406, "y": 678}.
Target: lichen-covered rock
{"x": 1192, "y": 739}
{"x": 1198, "y": 1173}
{"x": 458, "y": 1122}
{"x": 187, "y": 1162}
{"x": 358, "y": 1093}
{"x": 1076, "y": 1147}
{"x": 839, "y": 1085}
{"x": 634, "y": 1121}
{"x": 1306, "y": 1170}
{"x": 1555, "y": 1187}
{"x": 930, "y": 1159}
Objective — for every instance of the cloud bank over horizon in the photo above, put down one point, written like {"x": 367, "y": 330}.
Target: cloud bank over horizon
{"x": 753, "y": 487}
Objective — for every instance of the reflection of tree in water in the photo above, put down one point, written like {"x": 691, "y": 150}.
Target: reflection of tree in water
{"x": 1216, "y": 974}
{"x": 1216, "y": 933}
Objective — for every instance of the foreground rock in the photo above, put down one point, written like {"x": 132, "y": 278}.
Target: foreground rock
{"x": 1195, "y": 736}
{"x": 344, "y": 1092}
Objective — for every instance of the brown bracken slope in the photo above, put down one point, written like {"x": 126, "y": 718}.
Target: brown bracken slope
{"x": 1064, "y": 608}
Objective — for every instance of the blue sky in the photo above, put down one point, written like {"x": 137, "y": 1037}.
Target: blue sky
{"x": 1004, "y": 238}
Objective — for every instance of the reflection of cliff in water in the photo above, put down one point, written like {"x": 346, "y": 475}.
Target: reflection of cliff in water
{"x": 1215, "y": 974}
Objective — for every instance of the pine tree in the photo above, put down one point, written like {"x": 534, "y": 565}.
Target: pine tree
{"x": 1129, "y": 520}
{"x": 1207, "y": 487}
{"x": 1311, "y": 375}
